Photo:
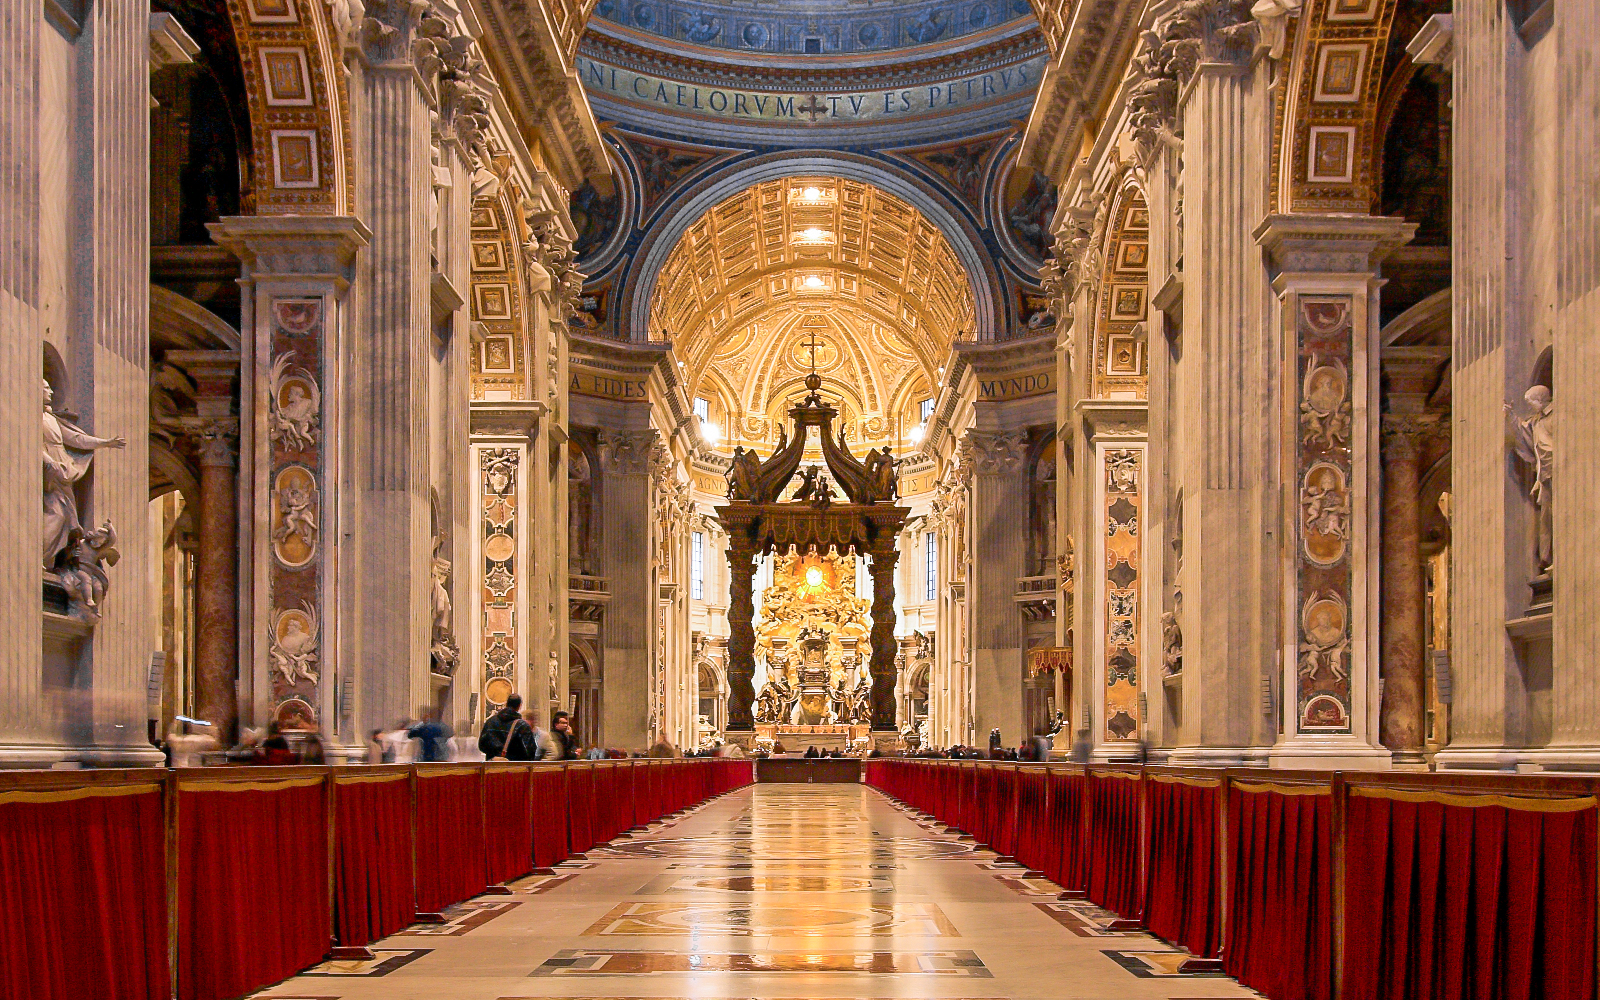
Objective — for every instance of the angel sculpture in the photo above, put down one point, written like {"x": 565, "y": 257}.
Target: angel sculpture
{"x": 296, "y": 406}
{"x": 298, "y": 517}
{"x": 808, "y": 485}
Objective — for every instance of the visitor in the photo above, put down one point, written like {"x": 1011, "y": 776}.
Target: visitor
{"x": 433, "y": 735}
{"x": 463, "y": 746}
{"x": 811, "y": 752}
{"x": 505, "y": 735}
{"x": 375, "y": 747}
{"x": 396, "y": 744}
{"x": 564, "y": 745}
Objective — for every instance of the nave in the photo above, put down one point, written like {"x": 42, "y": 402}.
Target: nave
{"x": 775, "y": 890}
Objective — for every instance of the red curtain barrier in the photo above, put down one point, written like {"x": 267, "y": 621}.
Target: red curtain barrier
{"x": 580, "y": 807}
{"x": 1004, "y": 822}
{"x": 1487, "y": 897}
{"x": 374, "y": 895}
{"x": 253, "y": 894}
{"x": 1064, "y": 829}
{"x": 1280, "y": 902}
{"x": 85, "y": 886}
{"x": 549, "y": 816}
{"x": 1114, "y": 841}
{"x": 450, "y": 837}
{"x": 1183, "y": 886}
{"x": 507, "y": 823}
{"x": 605, "y": 802}
{"x": 1032, "y": 792}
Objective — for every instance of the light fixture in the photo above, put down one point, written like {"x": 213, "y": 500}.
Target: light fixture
{"x": 814, "y": 577}
{"x": 916, "y": 434}
{"x": 814, "y": 281}
{"x": 711, "y": 432}
{"x": 811, "y": 194}
{"x": 814, "y": 234}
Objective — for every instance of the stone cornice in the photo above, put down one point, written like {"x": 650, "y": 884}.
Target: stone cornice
{"x": 991, "y": 357}
{"x": 809, "y": 78}
{"x": 1092, "y": 58}
{"x": 513, "y": 420}
{"x": 542, "y": 88}
{"x": 1115, "y": 419}
{"x": 1331, "y": 244}
{"x": 293, "y": 246}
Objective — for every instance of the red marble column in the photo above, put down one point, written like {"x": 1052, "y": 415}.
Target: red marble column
{"x": 216, "y": 589}
{"x": 1402, "y": 718}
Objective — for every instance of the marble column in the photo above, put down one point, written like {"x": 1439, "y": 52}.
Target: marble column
{"x": 216, "y": 600}
{"x": 999, "y": 491}
{"x": 741, "y": 638}
{"x": 1402, "y": 719}
{"x": 1327, "y": 281}
{"x": 386, "y": 539}
{"x": 884, "y": 558}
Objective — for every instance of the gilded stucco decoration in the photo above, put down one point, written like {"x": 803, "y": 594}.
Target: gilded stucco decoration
{"x": 1121, "y": 349}
{"x": 499, "y": 370}
{"x": 291, "y": 57}
{"x": 1328, "y": 117}
{"x": 813, "y": 271}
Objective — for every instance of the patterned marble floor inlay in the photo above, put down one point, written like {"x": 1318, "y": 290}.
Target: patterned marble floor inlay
{"x": 785, "y": 892}
{"x": 765, "y": 883}
{"x": 591, "y": 962}
{"x": 902, "y": 920}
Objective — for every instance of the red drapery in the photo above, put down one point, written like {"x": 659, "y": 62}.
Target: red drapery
{"x": 1004, "y": 828}
{"x": 450, "y": 838}
{"x": 580, "y": 808}
{"x": 85, "y": 885}
{"x": 605, "y": 803}
{"x": 1183, "y": 886}
{"x": 507, "y": 823}
{"x": 1063, "y": 830}
{"x": 549, "y": 816}
{"x": 1485, "y": 897}
{"x": 1114, "y": 841}
{"x": 253, "y": 894}
{"x": 1031, "y": 817}
{"x": 374, "y": 889}
{"x": 1280, "y": 901}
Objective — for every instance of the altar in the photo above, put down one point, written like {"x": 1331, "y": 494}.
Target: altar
{"x": 797, "y": 739}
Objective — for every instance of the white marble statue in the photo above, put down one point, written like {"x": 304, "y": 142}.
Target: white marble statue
{"x": 1536, "y": 447}
{"x": 68, "y": 452}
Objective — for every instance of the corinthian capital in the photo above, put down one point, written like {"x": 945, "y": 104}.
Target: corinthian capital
{"x": 215, "y": 439}
{"x": 993, "y": 454}
{"x": 1406, "y": 434}
{"x": 627, "y": 453}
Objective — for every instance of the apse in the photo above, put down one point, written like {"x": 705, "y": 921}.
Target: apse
{"x": 810, "y": 274}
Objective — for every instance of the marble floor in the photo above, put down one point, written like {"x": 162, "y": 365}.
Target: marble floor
{"x": 773, "y": 891}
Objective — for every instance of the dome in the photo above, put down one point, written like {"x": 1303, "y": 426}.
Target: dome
{"x": 811, "y": 27}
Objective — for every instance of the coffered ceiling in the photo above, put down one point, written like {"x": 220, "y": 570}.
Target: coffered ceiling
{"x": 788, "y": 263}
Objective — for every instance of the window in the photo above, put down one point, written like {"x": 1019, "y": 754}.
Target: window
{"x": 702, "y": 409}
{"x": 927, "y": 409}
{"x": 697, "y": 566}
{"x": 930, "y": 550}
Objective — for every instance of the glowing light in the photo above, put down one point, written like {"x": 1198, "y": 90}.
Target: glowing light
{"x": 813, "y": 234}
{"x": 711, "y": 432}
{"x": 814, "y": 281}
{"x": 916, "y": 434}
{"x": 811, "y": 194}
{"x": 814, "y": 577}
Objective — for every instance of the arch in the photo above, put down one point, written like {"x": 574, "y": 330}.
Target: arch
{"x": 1428, "y": 320}
{"x": 299, "y": 120}
{"x": 177, "y": 323}
{"x": 675, "y": 220}
{"x": 175, "y": 473}
{"x": 1119, "y": 358}
{"x": 1328, "y": 121}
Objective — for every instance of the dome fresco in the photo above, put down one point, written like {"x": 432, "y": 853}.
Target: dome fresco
{"x": 812, "y": 27}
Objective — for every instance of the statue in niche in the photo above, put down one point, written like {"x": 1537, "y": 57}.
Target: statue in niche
{"x": 839, "y": 700}
{"x": 777, "y": 697}
{"x": 580, "y": 500}
{"x": 68, "y": 453}
{"x": 1171, "y": 643}
{"x": 1536, "y": 447}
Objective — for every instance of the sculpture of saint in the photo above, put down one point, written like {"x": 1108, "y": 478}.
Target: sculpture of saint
{"x": 68, "y": 452}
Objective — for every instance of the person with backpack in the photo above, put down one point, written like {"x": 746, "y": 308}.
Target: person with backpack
{"x": 506, "y": 735}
